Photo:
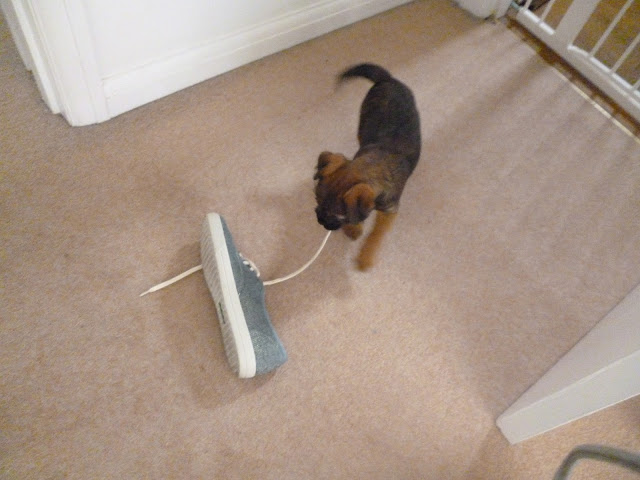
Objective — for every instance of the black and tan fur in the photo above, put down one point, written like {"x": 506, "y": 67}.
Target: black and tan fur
{"x": 347, "y": 191}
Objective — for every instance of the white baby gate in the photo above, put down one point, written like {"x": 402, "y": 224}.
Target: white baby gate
{"x": 561, "y": 38}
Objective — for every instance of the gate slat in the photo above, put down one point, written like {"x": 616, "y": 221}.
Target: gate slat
{"x": 626, "y": 53}
{"x": 610, "y": 28}
{"x": 547, "y": 9}
{"x": 577, "y": 15}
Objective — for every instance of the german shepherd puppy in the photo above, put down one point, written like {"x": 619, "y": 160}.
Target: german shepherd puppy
{"x": 347, "y": 191}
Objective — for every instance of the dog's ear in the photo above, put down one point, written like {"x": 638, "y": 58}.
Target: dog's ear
{"x": 359, "y": 202}
{"x": 328, "y": 163}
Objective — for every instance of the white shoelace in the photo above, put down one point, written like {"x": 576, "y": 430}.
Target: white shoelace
{"x": 252, "y": 266}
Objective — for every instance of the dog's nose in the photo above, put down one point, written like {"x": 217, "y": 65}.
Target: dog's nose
{"x": 329, "y": 223}
{"x": 332, "y": 225}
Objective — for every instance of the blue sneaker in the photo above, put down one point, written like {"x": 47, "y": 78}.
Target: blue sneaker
{"x": 250, "y": 341}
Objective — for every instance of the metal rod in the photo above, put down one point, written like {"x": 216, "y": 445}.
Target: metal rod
{"x": 616, "y": 456}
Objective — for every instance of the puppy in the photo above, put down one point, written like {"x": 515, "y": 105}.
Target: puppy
{"x": 347, "y": 191}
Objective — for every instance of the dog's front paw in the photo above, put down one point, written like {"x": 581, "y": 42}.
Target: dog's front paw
{"x": 352, "y": 231}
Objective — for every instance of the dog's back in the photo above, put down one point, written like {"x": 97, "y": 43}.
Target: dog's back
{"x": 389, "y": 118}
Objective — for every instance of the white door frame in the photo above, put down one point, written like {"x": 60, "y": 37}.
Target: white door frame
{"x": 601, "y": 370}
{"x": 57, "y": 47}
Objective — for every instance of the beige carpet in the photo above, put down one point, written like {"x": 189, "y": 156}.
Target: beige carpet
{"x": 518, "y": 231}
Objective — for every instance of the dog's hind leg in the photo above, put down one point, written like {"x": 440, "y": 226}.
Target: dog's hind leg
{"x": 384, "y": 221}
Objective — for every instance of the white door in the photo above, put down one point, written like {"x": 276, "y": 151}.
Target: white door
{"x": 612, "y": 66}
{"x": 602, "y": 369}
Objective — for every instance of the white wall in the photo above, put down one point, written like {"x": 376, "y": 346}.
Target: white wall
{"x": 129, "y": 34}
{"x": 94, "y": 59}
{"x": 485, "y": 8}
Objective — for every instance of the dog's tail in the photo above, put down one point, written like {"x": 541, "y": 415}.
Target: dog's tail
{"x": 370, "y": 71}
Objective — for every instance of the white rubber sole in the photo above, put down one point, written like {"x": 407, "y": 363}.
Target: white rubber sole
{"x": 216, "y": 264}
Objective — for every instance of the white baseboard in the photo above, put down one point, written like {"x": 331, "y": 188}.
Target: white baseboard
{"x": 131, "y": 89}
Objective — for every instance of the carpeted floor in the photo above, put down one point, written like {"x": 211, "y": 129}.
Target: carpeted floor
{"x": 518, "y": 231}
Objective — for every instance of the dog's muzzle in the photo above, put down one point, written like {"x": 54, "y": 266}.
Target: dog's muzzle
{"x": 329, "y": 222}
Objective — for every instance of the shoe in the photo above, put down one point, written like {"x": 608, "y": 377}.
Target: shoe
{"x": 250, "y": 341}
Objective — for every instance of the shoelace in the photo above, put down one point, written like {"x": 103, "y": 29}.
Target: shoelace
{"x": 252, "y": 266}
